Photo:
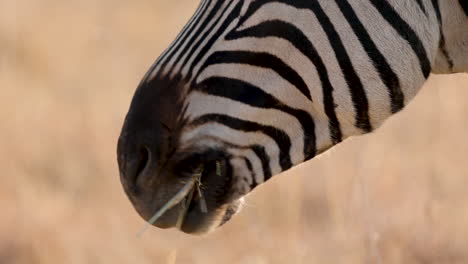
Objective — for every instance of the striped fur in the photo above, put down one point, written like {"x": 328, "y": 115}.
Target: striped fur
{"x": 273, "y": 83}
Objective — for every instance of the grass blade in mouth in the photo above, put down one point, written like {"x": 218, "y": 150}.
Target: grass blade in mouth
{"x": 203, "y": 206}
{"x": 185, "y": 207}
{"x": 198, "y": 183}
{"x": 218, "y": 168}
{"x": 185, "y": 193}
{"x": 188, "y": 187}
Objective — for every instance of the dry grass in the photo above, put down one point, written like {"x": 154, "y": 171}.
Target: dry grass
{"x": 68, "y": 70}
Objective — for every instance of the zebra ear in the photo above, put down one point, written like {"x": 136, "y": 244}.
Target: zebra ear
{"x": 464, "y": 5}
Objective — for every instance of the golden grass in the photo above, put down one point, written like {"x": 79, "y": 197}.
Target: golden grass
{"x": 68, "y": 70}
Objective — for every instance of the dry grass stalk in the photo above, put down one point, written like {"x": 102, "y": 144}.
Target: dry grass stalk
{"x": 188, "y": 187}
{"x": 185, "y": 193}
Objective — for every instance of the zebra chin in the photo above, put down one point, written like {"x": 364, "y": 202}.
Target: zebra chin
{"x": 198, "y": 222}
{"x": 209, "y": 205}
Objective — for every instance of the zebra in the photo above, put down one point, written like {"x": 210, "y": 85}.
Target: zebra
{"x": 251, "y": 88}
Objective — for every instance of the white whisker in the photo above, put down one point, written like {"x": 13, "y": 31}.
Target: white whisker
{"x": 203, "y": 206}
{"x": 218, "y": 168}
{"x": 185, "y": 206}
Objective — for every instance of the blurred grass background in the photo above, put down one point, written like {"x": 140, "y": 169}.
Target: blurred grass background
{"x": 68, "y": 70}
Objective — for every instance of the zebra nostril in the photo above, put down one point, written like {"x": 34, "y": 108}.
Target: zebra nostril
{"x": 144, "y": 156}
{"x": 133, "y": 166}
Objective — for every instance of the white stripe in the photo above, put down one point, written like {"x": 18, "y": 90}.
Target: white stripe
{"x": 394, "y": 48}
{"x": 273, "y": 84}
{"x": 412, "y": 14}
{"x": 162, "y": 58}
{"x": 268, "y": 117}
{"x": 306, "y": 21}
{"x": 237, "y": 137}
{"x": 215, "y": 45}
{"x": 376, "y": 91}
{"x": 254, "y": 160}
{"x": 189, "y": 44}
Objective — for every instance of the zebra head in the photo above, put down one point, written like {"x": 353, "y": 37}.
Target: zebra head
{"x": 251, "y": 88}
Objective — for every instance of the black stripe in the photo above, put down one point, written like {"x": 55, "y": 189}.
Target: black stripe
{"x": 230, "y": 18}
{"x": 264, "y": 159}
{"x": 281, "y": 138}
{"x": 249, "y": 166}
{"x": 263, "y": 60}
{"x": 183, "y": 38}
{"x": 259, "y": 152}
{"x": 253, "y": 7}
{"x": 444, "y": 51}
{"x": 185, "y": 31}
{"x": 442, "y": 45}
{"x": 421, "y": 6}
{"x": 249, "y": 94}
{"x": 406, "y": 32}
{"x": 464, "y": 5}
{"x": 296, "y": 37}
{"x": 387, "y": 75}
{"x": 356, "y": 88}
{"x": 191, "y": 42}
{"x": 435, "y": 4}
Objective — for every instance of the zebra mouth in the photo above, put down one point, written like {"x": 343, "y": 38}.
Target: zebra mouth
{"x": 207, "y": 206}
